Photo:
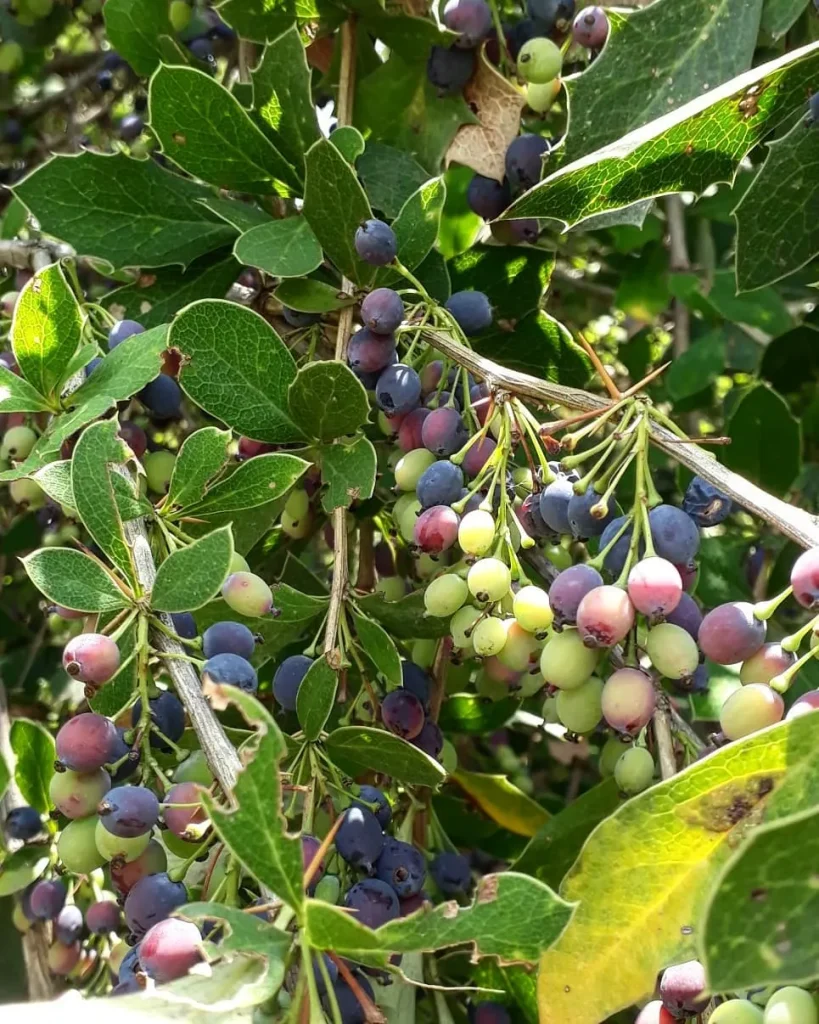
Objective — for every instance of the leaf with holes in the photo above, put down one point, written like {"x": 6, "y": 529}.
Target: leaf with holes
{"x": 695, "y": 146}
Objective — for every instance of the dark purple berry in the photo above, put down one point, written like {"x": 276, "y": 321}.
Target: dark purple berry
{"x": 440, "y": 484}
{"x": 402, "y": 713}
{"x": 23, "y": 823}
{"x": 402, "y": 867}
{"x": 86, "y": 742}
{"x": 231, "y": 670}
{"x": 450, "y": 69}
{"x": 121, "y": 330}
{"x": 487, "y": 197}
{"x": 129, "y": 811}
{"x": 359, "y": 839}
{"x": 228, "y": 638}
{"x": 382, "y": 311}
{"x": 162, "y": 397}
{"x": 152, "y": 899}
{"x": 398, "y": 389}
{"x": 372, "y": 795}
{"x": 131, "y": 127}
{"x": 373, "y": 902}
{"x": 451, "y": 873}
{"x": 167, "y": 714}
{"x": 295, "y": 318}
{"x": 369, "y": 352}
{"x": 471, "y": 310}
{"x": 47, "y": 899}
{"x": 443, "y": 432}
{"x": 417, "y": 681}
{"x": 591, "y": 28}
{"x": 375, "y": 243}
{"x": 705, "y": 504}
{"x": 288, "y": 678}
{"x": 69, "y": 925}
{"x": 430, "y": 739}
{"x": 103, "y": 917}
{"x": 524, "y": 161}
{"x": 471, "y": 19}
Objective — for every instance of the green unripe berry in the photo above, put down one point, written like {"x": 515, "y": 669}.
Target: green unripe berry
{"x": 444, "y": 596}
{"x": 673, "y": 651}
{"x": 158, "y": 470}
{"x": 328, "y": 889}
{"x": 247, "y": 594}
{"x": 489, "y": 579}
{"x": 736, "y": 1011}
{"x": 634, "y": 770}
{"x": 27, "y": 492}
{"x": 194, "y": 769}
{"x": 391, "y": 588}
{"x": 540, "y": 97}
{"x": 539, "y": 61}
{"x": 566, "y": 662}
{"x": 790, "y": 1005}
{"x": 298, "y": 503}
{"x": 238, "y": 563}
{"x": 581, "y": 709}
{"x": 40, "y": 9}
{"x": 179, "y": 847}
{"x": 179, "y": 13}
{"x": 11, "y": 57}
{"x": 77, "y": 847}
{"x": 111, "y": 846}
{"x": 489, "y": 637}
{"x": 610, "y": 755}
{"x": 406, "y": 521}
{"x": 462, "y": 624}
{"x": 17, "y": 443}
{"x": 422, "y": 652}
{"x": 296, "y": 527}
{"x": 412, "y": 467}
{"x": 532, "y": 610}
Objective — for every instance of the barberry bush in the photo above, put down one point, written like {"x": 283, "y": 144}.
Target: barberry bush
{"x": 409, "y": 552}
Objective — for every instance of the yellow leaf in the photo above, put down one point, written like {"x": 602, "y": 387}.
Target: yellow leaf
{"x": 643, "y": 878}
{"x": 497, "y": 105}
{"x": 503, "y": 802}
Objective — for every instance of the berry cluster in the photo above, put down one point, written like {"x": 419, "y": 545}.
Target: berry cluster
{"x": 682, "y": 997}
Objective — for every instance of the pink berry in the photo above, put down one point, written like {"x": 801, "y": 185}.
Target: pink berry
{"x": 604, "y": 616}
{"x": 654, "y": 587}
{"x": 91, "y": 658}
{"x": 628, "y": 700}
{"x": 805, "y": 579}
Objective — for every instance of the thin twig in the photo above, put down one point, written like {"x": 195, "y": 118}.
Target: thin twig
{"x": 800, "y": 526}
{"x": 602, "y": 372}
{"x": 439, "y": 670}
{"x": 664, "y": 739}
{"x": 366, "y": 556}
{"x": 678, "y": 250}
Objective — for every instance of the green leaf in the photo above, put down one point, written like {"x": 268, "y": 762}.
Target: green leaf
{"x": 310, "y": 296}
{"x": 689, "y": 149}
{"x": 22, "y": 868}
{"x": 126, "y": 369}
{"x": 379, "y": 648}
{"x": 109, "y": 700}
{"x": 203, "y": 454}
{"x": 513, "y": 278}
{"x": 791, "y": 359}
{"x": 343, "y": 407}
{"x": 777, "y": 232}
{"x": 191, "y": 576}
{"x": 474, "y": 715}
{"x": 539, "y": 345}
{"x": 282, "y": 248}
{"x": 127, "y": 212}
{"x": 255, "y": 830}
{"x": 349, "y": 142}
{"x": 764, "y": 309}
{"x": 134, "y": 28}
{"x": 397, "y": 105}
{"x": 766, "y": 440}
{"x": 334, "y": 206}
{"x": 556, "y": 844}
{"x": 47, "y": 329}
{"x": 156, "y": 296}
{"x": 434, "y": 276}
{"x": 497, "y": 797}
{"x": 17, "y": 395}
{"x": 244, "y": 933}
{"x": 390, "y": 177}
{"x": 254, "y": 482}
{"x": 697, "y": 367}
{"x": 513, "y": 917}
{"x": 34, "y": 754}
{"x": 416, "y": 226}
{"x": 298, "y": 614}
{"x": 242, "y": 216}
{"x": 74, "y": 580}
{"x": 644, "y": 875}
{"x": 406, "y": 35}
{"x": 348, "y": 471}
{"x": 316, "y": 697}
{"x": 237, "y": 369}
{"x": 97, "y": 451}
{"x": 360, "y": 749}
{"x": 282, "y": 96}
{"x": 206, "y": 131}
{"x": 260, "y": 20}
{"x": 628, "y": 85}
{"x": 405, "y": 619}
{"x": 779, "y": 15}
{"x": 774, "y": 894}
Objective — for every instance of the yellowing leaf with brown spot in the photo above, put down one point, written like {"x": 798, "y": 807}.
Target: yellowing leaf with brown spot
{"x": 643, "y": 878}
{"x": 497, "y": 105}
{"x": 509, "y": 806}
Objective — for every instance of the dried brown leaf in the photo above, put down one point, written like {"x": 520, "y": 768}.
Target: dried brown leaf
{"x": 497, "y": 104}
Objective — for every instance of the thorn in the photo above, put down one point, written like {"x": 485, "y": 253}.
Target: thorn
{"x": 602, "y": 372}
{"x": 646, "y": 380}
